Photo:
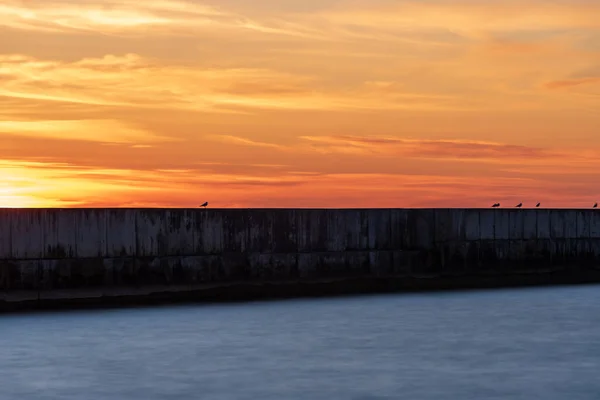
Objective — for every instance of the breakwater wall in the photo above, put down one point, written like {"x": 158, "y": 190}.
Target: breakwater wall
{"x": 98, "y": 256}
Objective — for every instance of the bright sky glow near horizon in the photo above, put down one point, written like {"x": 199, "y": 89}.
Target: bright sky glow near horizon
{"x": 299, "y": 103}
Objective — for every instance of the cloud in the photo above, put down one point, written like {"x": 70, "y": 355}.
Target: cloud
{"x": 237, "y": 140}
{"x": 589, "y": 72}
{"x": 339, "y": 144}
{"x": 522, "y": 46}
{"x": 135, "y": 82}
{"x": 133, "y": 18}
{"x": 42, "y": 184}
{"x": 421, "y": 148}
{"x": 469, "y": 17}
{"x": 132, "y": 81}
{"x": 105, "y": 131}
{"x": 111, "y": 80}
{"x": 571, "y": 82}
{"x": 46, "y": 183}
{"x": 38, "y": 184}
{"x": 164, "y": 102}
{"x": 342, "y": 20}
{"x": 198, "y": 154}
{"x": 435, "y": 149}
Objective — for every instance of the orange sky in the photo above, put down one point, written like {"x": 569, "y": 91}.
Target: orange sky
{"x": 299, "y": 103}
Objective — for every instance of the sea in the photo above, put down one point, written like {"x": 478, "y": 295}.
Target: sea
{"x": 533, "y": 343}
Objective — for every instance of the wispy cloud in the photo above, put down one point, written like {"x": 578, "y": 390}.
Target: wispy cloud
{"x": 572, "y": 82}
{"x": 456, "y": 149}
{"x": 469, "y": 16}
{"x": 133, "y": 81}
{"x": 383, "y": 18}
{"x": 105, "y": 131}
{"x": 516, "y": 177}
{"x": 186, "y": 188}
{"x": 43, "y": 184}
{"x": 126, "y": 17}
{"x": 237, "y": 140}
{"x": 39, "y": 184}
{"x": 163, "y": 102}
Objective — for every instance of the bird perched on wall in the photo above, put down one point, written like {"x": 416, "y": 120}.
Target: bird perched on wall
{"x": 204, "y": 204}
{"x": 495, "y": 205}
{"x": 537, "y": 205}
{"x": 519, "y": 205}
{"x": 595, "y": 205}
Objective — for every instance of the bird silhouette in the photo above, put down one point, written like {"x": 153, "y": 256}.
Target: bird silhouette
{"x": 537, "y": 205}
{"x": 595, "y": 205}
{"x": 519, "y": 205}
{"x": 204, "y": 204}
{"x": 496, "y": 205}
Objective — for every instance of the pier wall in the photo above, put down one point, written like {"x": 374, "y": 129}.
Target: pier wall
{"x": 50, "y": 254}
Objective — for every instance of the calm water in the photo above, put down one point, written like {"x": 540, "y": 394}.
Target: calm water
{"x": 517, "y": 344}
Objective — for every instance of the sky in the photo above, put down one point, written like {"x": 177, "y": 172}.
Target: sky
{"x": 299, "y": 103}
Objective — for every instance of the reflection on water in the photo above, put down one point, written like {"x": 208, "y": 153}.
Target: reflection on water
{"x": 517, "y": 344}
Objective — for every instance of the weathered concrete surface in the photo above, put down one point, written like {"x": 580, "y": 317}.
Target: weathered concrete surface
{"x": 27, "y": 232}
{"x": 71, "y": 254}
{"x": 5, "y": 234}
{"x": 91, "y": 233}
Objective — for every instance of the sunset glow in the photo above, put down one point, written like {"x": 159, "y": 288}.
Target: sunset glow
{"x": 351, "y": 103}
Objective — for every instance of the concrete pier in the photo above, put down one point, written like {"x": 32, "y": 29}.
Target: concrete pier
{"x": 72, "y": 257}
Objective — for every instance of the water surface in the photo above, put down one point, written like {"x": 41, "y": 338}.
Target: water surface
{"x": 517, "y": 344}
